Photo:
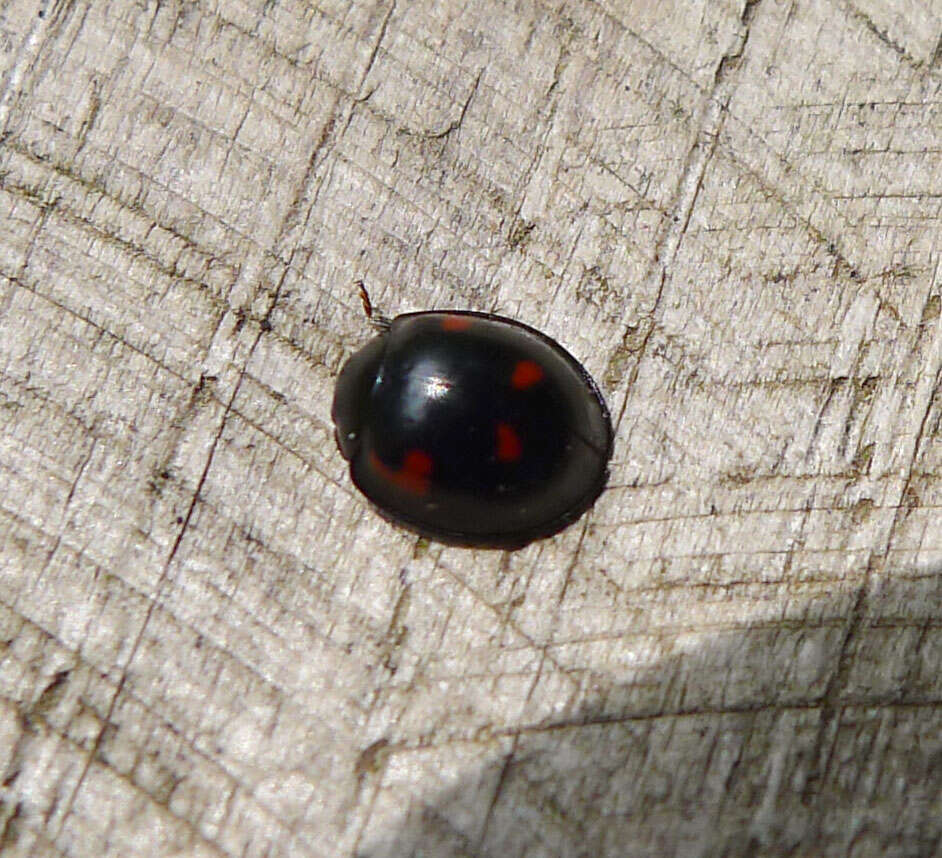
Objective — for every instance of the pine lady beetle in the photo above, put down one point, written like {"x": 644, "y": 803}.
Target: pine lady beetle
{"x": 471, "y": 428}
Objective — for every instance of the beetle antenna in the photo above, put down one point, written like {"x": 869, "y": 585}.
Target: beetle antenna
{"x": 377, "y": 320}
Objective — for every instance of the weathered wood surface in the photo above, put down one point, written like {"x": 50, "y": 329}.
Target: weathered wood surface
{"x": 211, "y": 646}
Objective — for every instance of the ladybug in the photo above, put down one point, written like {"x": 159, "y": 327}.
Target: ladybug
{"x": 471, "y": 429}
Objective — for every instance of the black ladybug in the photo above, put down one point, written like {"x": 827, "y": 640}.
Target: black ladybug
{"x": 471, "y": 428}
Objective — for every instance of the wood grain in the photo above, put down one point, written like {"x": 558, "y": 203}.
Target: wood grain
{"x": 730, "y": 212}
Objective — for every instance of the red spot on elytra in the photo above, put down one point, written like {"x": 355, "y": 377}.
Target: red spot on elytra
{"x": 526, "y": 374}
{"x": 509, "y": 448}
{"x": 414, "y": 475}
{"x": 456, "y": 323}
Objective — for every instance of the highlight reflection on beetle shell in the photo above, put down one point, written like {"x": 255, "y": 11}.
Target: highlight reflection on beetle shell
{"x": 472, "y": 429}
